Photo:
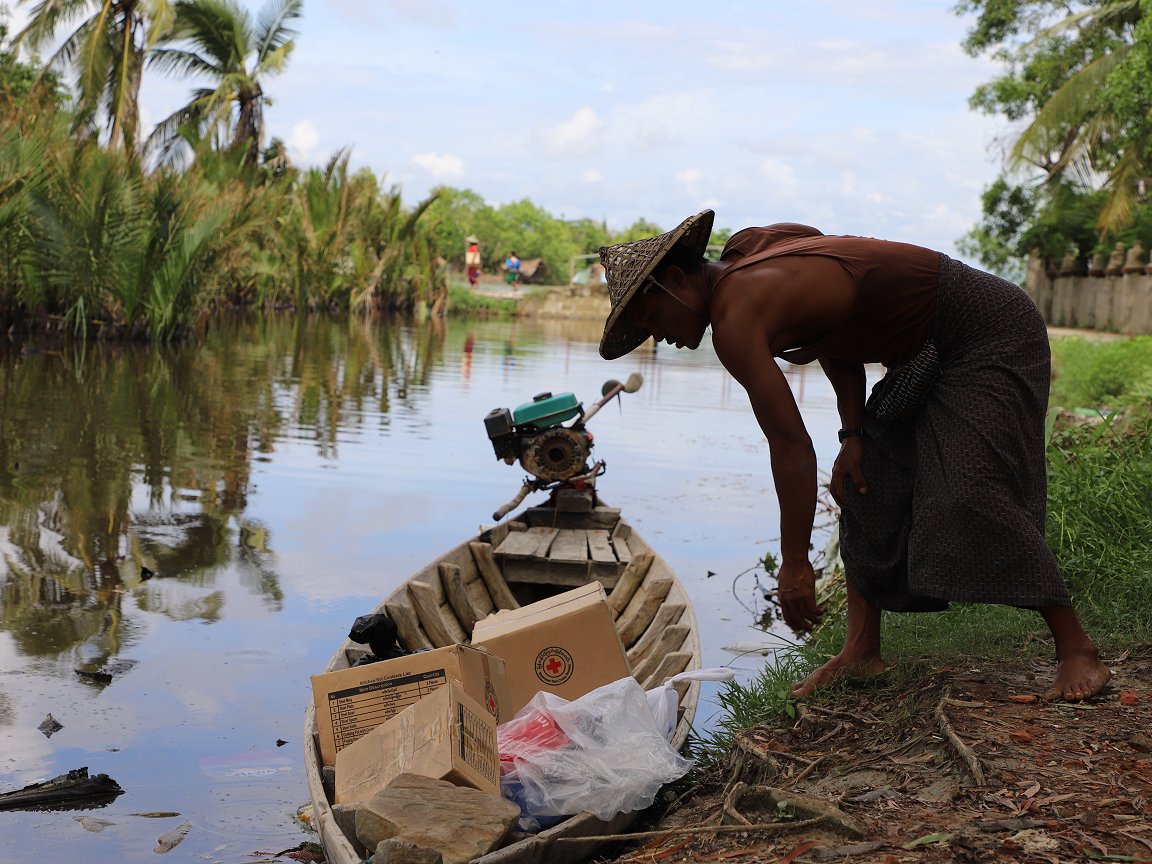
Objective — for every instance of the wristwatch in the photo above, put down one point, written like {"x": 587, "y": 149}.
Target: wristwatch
{"x": 850, "y": 433}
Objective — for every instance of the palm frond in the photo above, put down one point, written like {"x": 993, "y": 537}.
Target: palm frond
{"x": 177, "y": 61}
{"x": 1122, "y": 187}
{"x": 272, "y": 26}
{"x": 46, "y": 18}
{"x": 1114, "y": 14}
{"x": 1067, "y": 108}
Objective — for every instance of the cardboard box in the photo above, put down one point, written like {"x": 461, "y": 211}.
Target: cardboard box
{"x": 352, "y": 702}
{"x": 565, "y": 645}
{"x": 447, "y": 735}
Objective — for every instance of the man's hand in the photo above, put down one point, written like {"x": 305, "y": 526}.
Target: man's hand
{"x": 797, "y": 595}
{"x": 849, "y": 464}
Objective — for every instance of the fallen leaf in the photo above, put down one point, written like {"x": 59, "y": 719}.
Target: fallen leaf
{"x": 912, "y": 760}
{"x": 1097, "y": 856}
{"x": 94, "y": 825}
{"x": 1127, "y": 697}
{"x": 799, "y": 850}
{"x": 926, "y": 839}
{"x": 1020, "y": 736}
{"x": 1031, "y": 791}
{"x": 171, "y": 839}
{"x": 663, "y": 853}
{"x": 1024, "y": 699}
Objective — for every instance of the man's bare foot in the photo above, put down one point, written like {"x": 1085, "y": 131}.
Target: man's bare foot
{"x": 1079, "y": 676}
{"x": 843, "y": 665}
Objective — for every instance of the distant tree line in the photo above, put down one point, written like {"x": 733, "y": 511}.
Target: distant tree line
{"x": 524, "y": 228}
{"x": 109, "y": 230}
{"x": 1077, "y": 88}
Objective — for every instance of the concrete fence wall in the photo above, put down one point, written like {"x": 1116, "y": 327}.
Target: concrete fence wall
{"x": 1070, "y": 297}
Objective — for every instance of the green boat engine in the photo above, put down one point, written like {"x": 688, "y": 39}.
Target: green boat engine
{"x": 534, "y": 434}
{"x": 556, "y": 456}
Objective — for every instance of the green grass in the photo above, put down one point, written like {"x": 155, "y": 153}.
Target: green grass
{"x": 464, "y": 302}
{"x": 1099, "y": 489}
{"x": 1091, "y": 374}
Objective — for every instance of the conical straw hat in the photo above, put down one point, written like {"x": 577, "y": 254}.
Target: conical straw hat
{"x": 628, "y": 265}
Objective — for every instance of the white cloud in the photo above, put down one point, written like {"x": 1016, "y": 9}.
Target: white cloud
{"x": 303, "y": 141}
{"x": 374, "y": 13}
{"x": 442, "y": 166}
{"x": 575, "y": 137}
{"x": 690, "y": 179}
{"x": 592, "y": 175}
{"x": 779, "y": 174}
{"x": 742, "y": 56}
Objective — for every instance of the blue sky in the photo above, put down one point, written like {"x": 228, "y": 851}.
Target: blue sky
{"x": 849, "y": 116}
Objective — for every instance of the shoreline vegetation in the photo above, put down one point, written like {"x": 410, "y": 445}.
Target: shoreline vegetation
{"x": 110, "y": 233}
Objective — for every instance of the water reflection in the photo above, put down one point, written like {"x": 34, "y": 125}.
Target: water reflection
{"x": 197, "y": 527}
{"x": 122, "y": 465}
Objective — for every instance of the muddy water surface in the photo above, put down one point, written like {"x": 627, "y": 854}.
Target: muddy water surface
{"x": 186, "y": 534}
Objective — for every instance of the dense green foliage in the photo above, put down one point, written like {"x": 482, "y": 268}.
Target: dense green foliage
{"x": 103, "y": 233}
{"x": 1077, "y": 79}
{"x": 528, "y": 230}
{"x": 1106, "y": 375}
{"x": 1100, "y": 483}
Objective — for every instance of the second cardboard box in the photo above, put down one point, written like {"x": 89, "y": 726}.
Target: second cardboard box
{"x": 566, "y": 645}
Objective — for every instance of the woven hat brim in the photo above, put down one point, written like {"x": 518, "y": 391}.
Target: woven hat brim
{"x": 628, "y": 265}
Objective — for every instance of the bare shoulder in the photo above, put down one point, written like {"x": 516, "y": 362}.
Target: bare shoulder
{"x": 785, "y": 301}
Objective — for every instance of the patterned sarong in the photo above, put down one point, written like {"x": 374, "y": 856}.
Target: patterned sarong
{"x": 957, "y": 494}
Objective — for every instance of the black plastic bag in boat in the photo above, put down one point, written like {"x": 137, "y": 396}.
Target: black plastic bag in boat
{"x": 380, "y": 634}
{"x": 602, "y": 753}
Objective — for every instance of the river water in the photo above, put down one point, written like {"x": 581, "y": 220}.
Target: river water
{"x": 205, "y": 522}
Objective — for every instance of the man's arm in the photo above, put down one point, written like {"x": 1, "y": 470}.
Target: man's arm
{"x": 848, "y": 380}
{"x": 745, "y": 351}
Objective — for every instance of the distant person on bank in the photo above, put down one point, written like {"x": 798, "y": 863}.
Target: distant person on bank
{"x": 472, "y": 260}
{"x": 941, "y": 475}
{"x": 511, "y": 269}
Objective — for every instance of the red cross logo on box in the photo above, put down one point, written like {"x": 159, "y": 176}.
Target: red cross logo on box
{"x": 554, "y": 666}
{"x": 490, "y": 700}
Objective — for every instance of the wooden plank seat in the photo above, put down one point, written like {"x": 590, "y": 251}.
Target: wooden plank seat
{"x": 560, "y": 556}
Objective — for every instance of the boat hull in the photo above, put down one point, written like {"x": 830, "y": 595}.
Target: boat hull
{"x": 534, "y": 554}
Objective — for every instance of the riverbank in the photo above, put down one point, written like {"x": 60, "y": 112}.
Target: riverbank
{"x": 956, "y": 762}
{"x": 951, "y": 755}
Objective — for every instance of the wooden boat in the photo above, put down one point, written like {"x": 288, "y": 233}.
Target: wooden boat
{"x": 539, "y": 552}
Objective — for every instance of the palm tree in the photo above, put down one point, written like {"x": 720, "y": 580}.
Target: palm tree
{"x": 107, "y": 53}
{"x": 1077, "y": 133}
{"x": 222, "y": 43}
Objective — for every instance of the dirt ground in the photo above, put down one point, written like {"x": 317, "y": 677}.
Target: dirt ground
{"x": 967, "y": 766}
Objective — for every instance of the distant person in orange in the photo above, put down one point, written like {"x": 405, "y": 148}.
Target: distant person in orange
{"x": 472, "y": 260}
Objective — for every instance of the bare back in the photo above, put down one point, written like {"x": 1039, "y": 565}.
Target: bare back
{"x": 828, "y": 297}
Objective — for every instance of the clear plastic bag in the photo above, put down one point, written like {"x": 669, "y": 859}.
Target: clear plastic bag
{"x": 602, "y": 753}
{"x": 665, "y": 701}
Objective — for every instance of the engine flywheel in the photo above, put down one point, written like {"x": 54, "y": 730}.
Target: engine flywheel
{"x": 556, "y": 454}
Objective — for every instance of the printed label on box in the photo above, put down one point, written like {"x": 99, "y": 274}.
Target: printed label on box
{"x": 358, "y": 710}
